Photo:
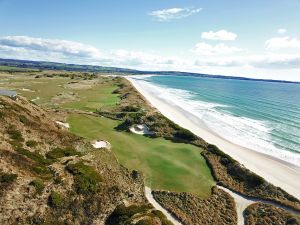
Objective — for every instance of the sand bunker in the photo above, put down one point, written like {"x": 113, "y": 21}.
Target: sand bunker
{"x": 65, "y": 125}
{"x": 141, "y": 129}
{"x": 28, "y": 90}
{"x": 101, "y": 144}
{"x": 37, "y": 98}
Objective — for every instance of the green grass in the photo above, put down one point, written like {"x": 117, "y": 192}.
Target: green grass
{"x": 47, "y": 89}
{"x": 166, "y": 165}
{"x": 94, "y": 98}
{"x": 16, "y": 69}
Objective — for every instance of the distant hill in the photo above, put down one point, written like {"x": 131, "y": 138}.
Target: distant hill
{"x": 43, "y": 65}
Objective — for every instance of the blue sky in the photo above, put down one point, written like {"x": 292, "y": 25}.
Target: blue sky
{"x": 259, "y": 38}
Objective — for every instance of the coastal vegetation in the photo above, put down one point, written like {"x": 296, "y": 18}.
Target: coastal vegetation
{"x": 260, "y": 213}
{"x": 229, "y": 173}
{"x": 219, "y": 208}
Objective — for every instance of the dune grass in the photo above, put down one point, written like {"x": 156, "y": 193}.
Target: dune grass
{"x": 166, "y": 165}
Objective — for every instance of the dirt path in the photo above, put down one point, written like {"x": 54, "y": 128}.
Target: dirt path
{"x": 157, "y": 206}
{"x": 242, "y": 203}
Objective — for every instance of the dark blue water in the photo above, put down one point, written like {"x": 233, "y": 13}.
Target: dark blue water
{"x": 264, "y": 116}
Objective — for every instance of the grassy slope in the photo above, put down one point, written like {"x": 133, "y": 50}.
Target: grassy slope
{"x": 167, "y": 165}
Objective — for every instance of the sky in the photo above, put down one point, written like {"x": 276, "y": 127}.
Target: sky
{"x": 257, "y": 39}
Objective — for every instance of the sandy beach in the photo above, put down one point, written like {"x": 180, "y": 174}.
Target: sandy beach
{"x": 275, "y": 171}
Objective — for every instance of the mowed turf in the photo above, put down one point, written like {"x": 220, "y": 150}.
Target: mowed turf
{"x": 94, "y": 98}
{"x": 57, "y": 92}
{"x": 166, "y": 165}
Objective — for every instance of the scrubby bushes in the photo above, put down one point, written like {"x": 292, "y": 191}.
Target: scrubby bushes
{"x": 86, "y": 179}
{"x": 15, "y": 134}
{"x": 39, "y": 185}
{"x": 7, "y": 178}
{"x": 55, "y": 200}
{"x": 231, "y": 174}
{"x": 31, "y": 143}
{"x": 143, "y": 214}
{"x": 61, "y": 152}
{"x": 260, "y": 213}
{"x": 219, "y": 208}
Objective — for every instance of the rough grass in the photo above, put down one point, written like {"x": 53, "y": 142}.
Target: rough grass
{"x": 166, "y": 165}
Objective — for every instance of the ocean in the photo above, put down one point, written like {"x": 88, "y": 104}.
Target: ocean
{"x": 260, "y": 115}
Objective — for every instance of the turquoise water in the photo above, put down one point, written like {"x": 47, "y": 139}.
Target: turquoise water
{"x": 264, "y": 116}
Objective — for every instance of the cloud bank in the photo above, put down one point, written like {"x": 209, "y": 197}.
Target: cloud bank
{"x": 282, "y": 42}
{"x": 207, "y": 58}
{"x": 203, "y": 48}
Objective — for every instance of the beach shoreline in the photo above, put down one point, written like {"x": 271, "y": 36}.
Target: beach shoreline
{"x": 275, "y": 171}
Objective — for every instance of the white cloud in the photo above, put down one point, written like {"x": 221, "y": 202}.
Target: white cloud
{"x": 280, "y": 61}
{"x": 203, "y": 48}
{"x": 174, "y": 13}
{"x": 23, "y": 47}
{"x": 281, "y": 31}
{"x": 67, "y": 48}
{"x": 222, "y": 35}
{"x": 282, "y": 42}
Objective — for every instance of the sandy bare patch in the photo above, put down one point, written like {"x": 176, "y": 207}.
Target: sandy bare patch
{"x": 141, "y": 129}
{"x": 65, "y": 125}
{"x": 101, "y": 144}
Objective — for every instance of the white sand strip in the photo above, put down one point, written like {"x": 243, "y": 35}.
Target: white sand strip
{"x": 277, "y": 172}
{"x": 157, "y": 206}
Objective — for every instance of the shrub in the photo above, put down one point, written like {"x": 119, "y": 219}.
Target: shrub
{"x": 146, "y": 221}
{"x": 15, "y": 134}
{"x": 39, "y": 185}
{"x": 185, "y": 134}
{"x": 35, "y": 156}
{"x": 131, "y": 108}
{"x": 86, "y": 179}
{"x": 55, "y": 200}
{"x": 123, "y": 214}
{"x": 1, "y": 114}
{"x": 31, "y": 143}
{"x": 24, "y": 120}
{"x": 61, "y": 152}
{"x": 7, "y": 178}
